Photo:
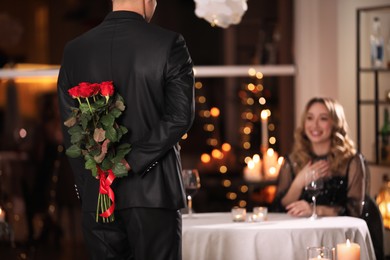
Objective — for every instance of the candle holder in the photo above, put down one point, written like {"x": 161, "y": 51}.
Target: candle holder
{"x": 323, "y": 253}
{"x": 260, "y": 214}
{"x": 238, "y": 214}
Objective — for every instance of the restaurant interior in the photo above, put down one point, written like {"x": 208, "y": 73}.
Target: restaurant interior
{"x": 255, "y": 69}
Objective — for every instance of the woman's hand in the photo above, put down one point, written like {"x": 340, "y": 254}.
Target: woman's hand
{"x": 300, "y": 208}
{"x": 321, "y": 167}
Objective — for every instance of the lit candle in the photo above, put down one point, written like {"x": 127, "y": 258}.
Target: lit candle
{"x": 238, "y": 214}
{"x": 2, "y": 215}
{"x": 348, "y": 251}
{"x": 264, "y": 130}
{"x": 260, "y": 213}
{"x": 270, "y": 162}
{"x": 252, "y": 172}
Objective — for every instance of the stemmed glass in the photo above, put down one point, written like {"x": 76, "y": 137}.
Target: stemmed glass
{"x": 191, "y": 182}
{"x": 313, "y": 187}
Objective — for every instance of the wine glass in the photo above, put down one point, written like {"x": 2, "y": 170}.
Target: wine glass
{"x": 319, "y": 253}
{"x": 313, "y": 187}
{"x": 191, "y": 182}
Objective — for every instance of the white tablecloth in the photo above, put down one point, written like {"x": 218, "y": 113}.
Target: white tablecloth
{"x": 214, "y": 236}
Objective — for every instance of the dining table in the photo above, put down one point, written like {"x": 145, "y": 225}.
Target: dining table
{"x": 215, "y": 236}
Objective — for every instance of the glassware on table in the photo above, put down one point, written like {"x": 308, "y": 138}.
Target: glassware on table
{"x": 313, "y": 187}
{"x": 238, "y": 214}
{"x": 259, "y": 214}
{"x": 323, "y": 253}
{"x": 191, "y": 182}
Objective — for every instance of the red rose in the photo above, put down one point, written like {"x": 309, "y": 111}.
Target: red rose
{"x": 95, "y": 87}
{"x": 106, "y": 88}
{"x": 74, "y": 92}
{"x": 86, "y": 90}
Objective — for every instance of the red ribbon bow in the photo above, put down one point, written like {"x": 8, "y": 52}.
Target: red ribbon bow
{"x": 105, "y": 183}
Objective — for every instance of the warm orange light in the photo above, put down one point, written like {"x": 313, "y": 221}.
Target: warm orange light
{"x": 231, "y": 195}
{"x": 202, "y": 99}
{"x": 252, "y": 72}
{"x": 226, "y": 183}
{"x": 264, "y": 115}
{"x": 251, "y": 87}
{"x": 383, "y": 201}
{"x": 247, "y": 130}
{"x": 198, "y": 85}
{"x": 217, "y": 154}
{"x": 250, "y": 101}
{"x": 205, "y": 158}
{"x": 226, "y": 147}
{"x": 280, "y": 160}
{"x": 244, "y": 189}
{"x": 223, "y": 169}
{"x": 214, "y": 111}
{"x": 208, "y": 127}
{"x": 262, "y": 101}
{"x": 242, "y": 204}
{"x": 212, "y": 141}
{"x": 246, "y": 145}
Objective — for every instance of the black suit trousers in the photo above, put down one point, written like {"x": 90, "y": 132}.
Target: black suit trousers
{"x": 136, "y": 234}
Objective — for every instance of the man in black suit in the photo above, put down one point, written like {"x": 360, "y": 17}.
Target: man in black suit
{"x": 152, "y": 69}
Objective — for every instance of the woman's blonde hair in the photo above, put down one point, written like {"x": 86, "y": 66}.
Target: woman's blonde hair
{"x": 342, "y": 147}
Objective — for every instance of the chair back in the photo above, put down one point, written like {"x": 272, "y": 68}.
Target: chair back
{"x": 372, "y": 215}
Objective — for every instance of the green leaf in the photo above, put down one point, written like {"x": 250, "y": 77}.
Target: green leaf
{"x": 84, "y": 120}
{"x": 90, "y": 164}
{"x": 121, "y": 151}
{"x": 100, "y": 104}
{"x": 119, "y": 170}
{"x": 84, "y": 108}
{"x": 75, "y": 129}
{"x": 94, "y": 152}
{"x": 123, "y": 129}
{"x": 76, "y": 137}
{"x": 73, "y": 151}
{"x": 111, "y": 134}
{"x": 106, "y": 164}
{"x": 115, "y": 112}
{"x": 107, "y": 120}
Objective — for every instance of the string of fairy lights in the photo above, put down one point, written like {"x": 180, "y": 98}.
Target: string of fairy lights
{"x": 253, "y": 97}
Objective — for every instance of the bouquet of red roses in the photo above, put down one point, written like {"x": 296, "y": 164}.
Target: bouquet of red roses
{"x": 95, "y": 136}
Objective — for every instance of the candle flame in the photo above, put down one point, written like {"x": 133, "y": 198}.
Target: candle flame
{"x": 251, "y": 164}
{"x": 280, "y": 160}
{"x": 270, "y": 152}
{"x": 264, "y": 115}
{"x": 348, "y": 243}
{"x": 256, "y": 158}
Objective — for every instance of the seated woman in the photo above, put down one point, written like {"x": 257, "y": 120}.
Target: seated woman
{"x": 322, "y": 143}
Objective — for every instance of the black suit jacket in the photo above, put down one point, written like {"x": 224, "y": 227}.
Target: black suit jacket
{"x": 152, "y": 69}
